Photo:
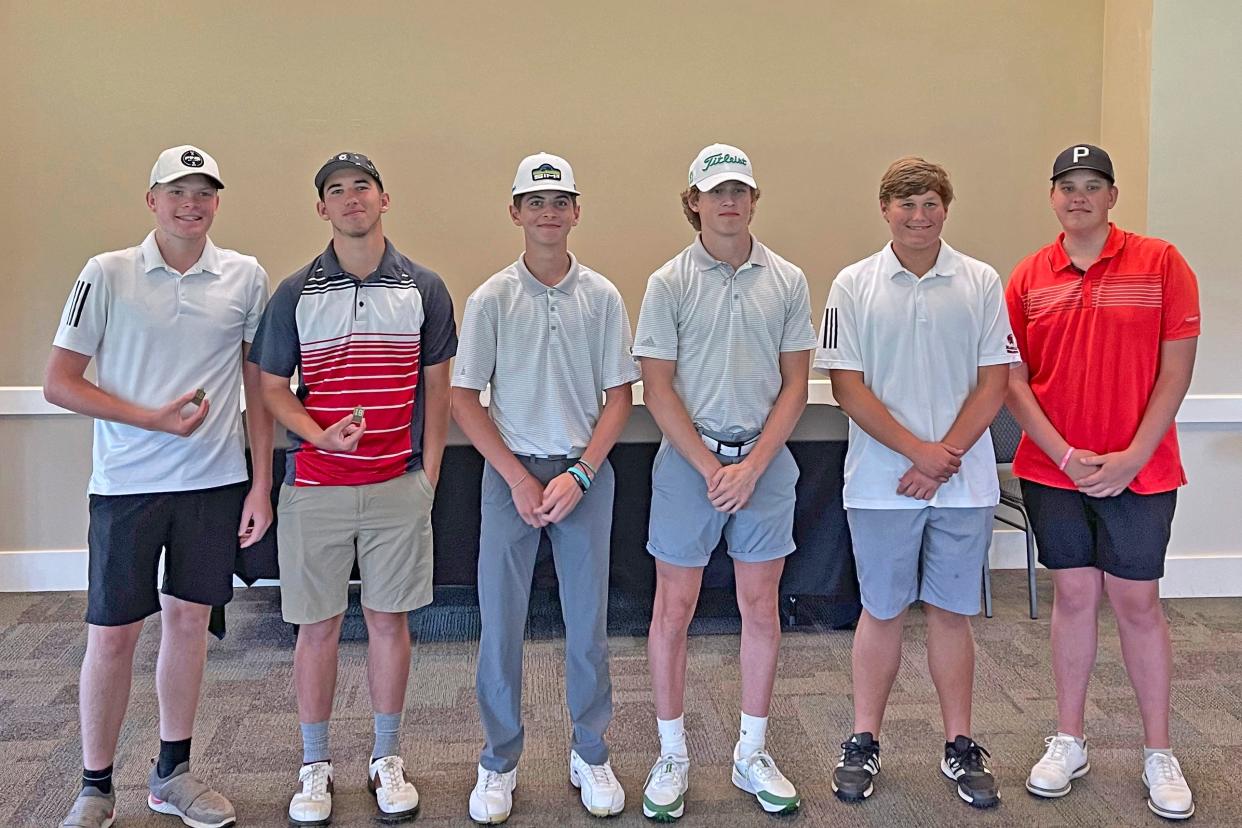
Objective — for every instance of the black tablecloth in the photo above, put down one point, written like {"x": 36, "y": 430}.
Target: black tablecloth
{"x": 823, "y": 564}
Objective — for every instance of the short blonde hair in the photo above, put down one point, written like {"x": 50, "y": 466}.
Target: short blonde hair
{"x": 691, "y": 216}
{"x": 913, "y": 175}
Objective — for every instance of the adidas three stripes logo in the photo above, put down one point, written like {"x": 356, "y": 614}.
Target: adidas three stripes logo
{"x": 77, "y": 304}
{"x": 830, "y": 329}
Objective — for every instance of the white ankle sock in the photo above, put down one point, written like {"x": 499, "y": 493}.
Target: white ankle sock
{"x": 673, "y": 738}
{"x": 752, "y": 735}
{"x": 1081, "y": 742}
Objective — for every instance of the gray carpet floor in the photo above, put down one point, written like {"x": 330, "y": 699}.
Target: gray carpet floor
{"x": 247, "y": 742}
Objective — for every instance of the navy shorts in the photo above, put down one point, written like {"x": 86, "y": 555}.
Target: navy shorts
{"x": 197, "y": 531}
{"x": 1126, "y": 536}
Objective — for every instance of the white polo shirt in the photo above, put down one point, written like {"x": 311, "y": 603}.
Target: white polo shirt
{"x": 156, "y": 334}
{"x": 726, "y": 330}
{"x": 919, "y": 344}
{"x": 549, "y": 354}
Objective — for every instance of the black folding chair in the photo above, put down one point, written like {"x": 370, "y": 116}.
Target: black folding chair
{"x": 1005, "y": 435}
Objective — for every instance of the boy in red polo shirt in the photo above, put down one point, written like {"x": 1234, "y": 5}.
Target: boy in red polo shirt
{"x": 1107, "y": 324}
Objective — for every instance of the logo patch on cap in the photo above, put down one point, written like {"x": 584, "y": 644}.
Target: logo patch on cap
{"x": 190, "y": 158}
{"x": 545, "y": 172}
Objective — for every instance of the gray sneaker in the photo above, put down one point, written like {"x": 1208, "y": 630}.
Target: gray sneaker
{"x": 92, "y": 809}
{"x": 182, "y": 794}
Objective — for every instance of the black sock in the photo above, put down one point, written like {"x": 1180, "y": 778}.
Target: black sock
{"x": 171, "y": 755}
{"x": 100, "y": 779}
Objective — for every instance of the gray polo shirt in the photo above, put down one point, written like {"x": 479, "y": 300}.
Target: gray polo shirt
{"x": 726, "y": 330}
{"x": 549, "y": 353}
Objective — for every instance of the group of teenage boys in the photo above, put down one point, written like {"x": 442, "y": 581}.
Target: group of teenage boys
{"x": 1091, "y": 345}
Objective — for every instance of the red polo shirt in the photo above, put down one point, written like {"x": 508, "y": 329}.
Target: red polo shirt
{"x": 1091, "y": 342}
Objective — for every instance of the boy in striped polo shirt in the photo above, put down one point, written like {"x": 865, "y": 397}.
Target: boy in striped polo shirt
{"x": 550, "y": 337}
{"x": 366, "y": 328}
{"x": 724, "y": 338}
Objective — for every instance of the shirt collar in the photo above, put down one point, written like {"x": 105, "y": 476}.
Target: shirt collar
{"x": 153, "y": 259}
{"x": 706, "y": 261}
{"x": 388, "y": 264}
{"x": 947, "y": 263}
{"x": 1060, "y": 260}
{"x": 537, "y": 288}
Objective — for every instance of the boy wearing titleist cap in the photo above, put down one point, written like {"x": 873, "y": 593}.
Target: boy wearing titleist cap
{"x": 917, "y": 342}
{"x": 545, "y": 322}
{"x": 724, "y": 338}
{"x": 174, "y": 315}
{"x": 364, "y": 327}
{"x": 1107, "y": 323}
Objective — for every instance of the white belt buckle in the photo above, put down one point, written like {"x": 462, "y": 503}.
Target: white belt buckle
{"x": 723, "y": 450}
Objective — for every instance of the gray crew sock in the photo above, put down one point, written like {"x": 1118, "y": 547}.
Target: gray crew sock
{"x": 387, "y": 735}
{"x": 315, "y": 742}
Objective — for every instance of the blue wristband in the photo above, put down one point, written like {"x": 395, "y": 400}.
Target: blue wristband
{"x": 580, "y": 478}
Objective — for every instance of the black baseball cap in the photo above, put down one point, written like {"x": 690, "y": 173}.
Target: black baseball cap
{"x": 1083, "y": 157}
{"x": 343, "y": 160}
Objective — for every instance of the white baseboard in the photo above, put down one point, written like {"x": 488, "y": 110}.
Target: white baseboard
{"x": 1190, "y": 576}
{"x": 1185, "y": 576}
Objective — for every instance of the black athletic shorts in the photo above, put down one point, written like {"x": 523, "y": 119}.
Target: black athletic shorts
{"x": 1126, "y": 536}
{"x": 197, "y": 530}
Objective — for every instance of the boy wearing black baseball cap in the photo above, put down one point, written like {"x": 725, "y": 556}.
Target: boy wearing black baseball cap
{"x": 1107, "y": 324}
{"x": 366, "y": 328}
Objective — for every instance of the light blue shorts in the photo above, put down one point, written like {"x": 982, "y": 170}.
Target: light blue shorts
{"x": 685, "y": 527}
{"x": 933, "y": 555}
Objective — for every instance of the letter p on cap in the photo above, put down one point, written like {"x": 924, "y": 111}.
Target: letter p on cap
{"x": 1080, "y": 153}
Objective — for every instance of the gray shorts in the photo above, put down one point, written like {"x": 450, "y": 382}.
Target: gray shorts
{"x": 685, "y": 527}
{"x": 933, "y": 555}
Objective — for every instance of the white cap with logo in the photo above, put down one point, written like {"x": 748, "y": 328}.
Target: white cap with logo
{"x": 719, "y": 163}
{"x": 178, "y": 162}
{"x": 544, "y": 171}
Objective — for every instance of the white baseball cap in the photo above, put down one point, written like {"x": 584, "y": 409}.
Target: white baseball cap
{"x": 544, "y": 171}
{"x": 719, "y": 163}
{"x": 178, "y": 162}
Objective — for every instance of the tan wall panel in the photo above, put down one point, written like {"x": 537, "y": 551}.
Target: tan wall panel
{"x": 447, "y": 97}
{"x": 46, "y": 463}
{"x": 1196, "y": 116}
{"x": 1125, "y": 118}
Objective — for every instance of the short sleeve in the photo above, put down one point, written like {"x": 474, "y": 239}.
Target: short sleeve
{"x": 1014, "y": 301}
{"x": 85, "y": 316}
{"x": 260, "y": 292}
{"x": 997, "y": 345}
{"x": 799, "y": 334}
{"x": 839, "y": 346}
{"x": 656, "y": 335}
{"x": 619, "y": 364}
{"x": 276, "y": 347}
{"x": 1181, "y": 298}
{"x": 476, "y": 351}
{"x": 439, "y": 331}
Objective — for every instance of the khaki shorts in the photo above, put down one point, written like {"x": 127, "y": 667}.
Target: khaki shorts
{"x": 385, "y": 526}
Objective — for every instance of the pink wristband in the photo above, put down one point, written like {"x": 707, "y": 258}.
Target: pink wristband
{"x": 1065, "y": 460}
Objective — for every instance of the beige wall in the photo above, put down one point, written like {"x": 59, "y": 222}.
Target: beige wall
{"x": 1125, "y": 110}
{"x": 447, "y": 97}
{"x": 1196, "y": 169}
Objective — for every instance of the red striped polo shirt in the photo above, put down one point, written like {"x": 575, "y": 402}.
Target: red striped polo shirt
{"x": 1091, "y": 342}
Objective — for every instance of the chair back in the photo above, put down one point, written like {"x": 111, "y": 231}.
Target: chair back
{"x": 1005, "y": 435}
